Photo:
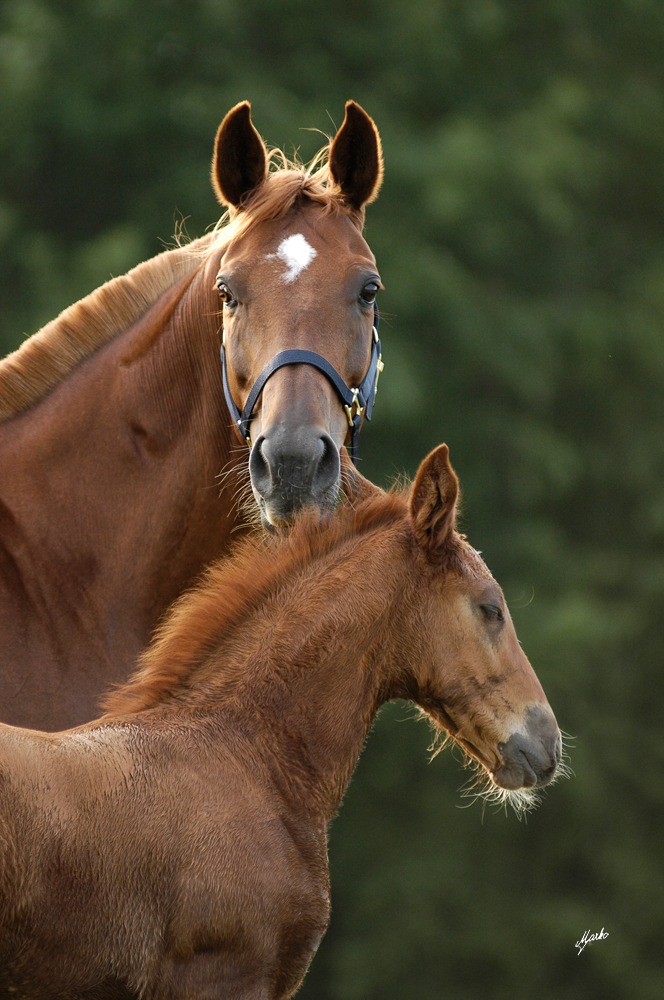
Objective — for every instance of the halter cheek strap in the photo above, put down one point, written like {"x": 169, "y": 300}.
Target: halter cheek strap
{"x": 358, "y": 403}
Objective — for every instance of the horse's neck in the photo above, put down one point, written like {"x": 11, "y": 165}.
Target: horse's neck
{"x": 110, "y": 481}
{"x": 324, "y": 658}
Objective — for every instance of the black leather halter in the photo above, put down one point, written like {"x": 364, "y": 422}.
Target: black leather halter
{"x": 358, "y": 403}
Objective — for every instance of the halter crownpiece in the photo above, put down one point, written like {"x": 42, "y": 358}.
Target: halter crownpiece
{"x": 358, "y": 403}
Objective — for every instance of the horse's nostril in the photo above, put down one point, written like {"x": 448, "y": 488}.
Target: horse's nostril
{"x": 557, "y": 750}
{"x": 530, "y": 776}
{"x": 531, "y": 755}
{"x": 329, "y": 465}
{"x": 294, "y": 467}
{"x": 259, "y": 468}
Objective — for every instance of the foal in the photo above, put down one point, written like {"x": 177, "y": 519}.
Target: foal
{"x": 177, "y": 847}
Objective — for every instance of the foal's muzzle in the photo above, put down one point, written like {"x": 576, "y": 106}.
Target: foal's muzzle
{"x": 532, "y": 754}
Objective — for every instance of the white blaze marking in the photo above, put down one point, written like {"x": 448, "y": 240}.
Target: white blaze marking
{"x": 296, "y": 254}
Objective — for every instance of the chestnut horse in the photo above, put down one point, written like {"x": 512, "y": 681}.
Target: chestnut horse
{"x": 177, "y": 847}
{"x": 114, "y": 428}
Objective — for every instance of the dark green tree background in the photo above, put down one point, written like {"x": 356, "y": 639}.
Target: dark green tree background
{"x": 520, "y": 236}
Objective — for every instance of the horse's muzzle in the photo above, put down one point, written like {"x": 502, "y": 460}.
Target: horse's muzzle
{"x": 532, "y": 754}
{"x": 292, "y": 468}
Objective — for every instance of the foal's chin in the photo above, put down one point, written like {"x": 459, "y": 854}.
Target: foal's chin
{"x": 504, "y": 788}
{"x": 514, "y": 771}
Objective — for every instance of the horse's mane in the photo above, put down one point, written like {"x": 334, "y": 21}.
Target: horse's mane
{"x": 47, "y": 357}
{"x": 233, "y": 588}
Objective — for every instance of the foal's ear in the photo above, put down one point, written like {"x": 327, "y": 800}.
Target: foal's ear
{"x": 433, "y": 501}
{"x": 239, "y": 164}
{"x": 356, "y": 158}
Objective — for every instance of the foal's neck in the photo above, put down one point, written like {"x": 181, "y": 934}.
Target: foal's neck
{"x": 322, "y": 659}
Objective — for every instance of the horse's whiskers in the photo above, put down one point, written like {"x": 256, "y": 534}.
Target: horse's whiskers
{"x": 246, "y": 505}
{"x": 440, "y": 740}
{"x": 243, "y": 492}
{"x": 481, "y": 786}
{"x": 239, "y": 470}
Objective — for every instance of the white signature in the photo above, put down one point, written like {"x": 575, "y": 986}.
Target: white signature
{"x": 588, "y": 938}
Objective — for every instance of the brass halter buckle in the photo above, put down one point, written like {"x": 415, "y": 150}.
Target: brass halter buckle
{"x": 379, "y": 368}
{"x": 379, "y": 364}
{"x": 354, "y": 409}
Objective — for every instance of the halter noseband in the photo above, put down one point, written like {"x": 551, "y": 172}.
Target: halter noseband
{"x": 358, "y": 403}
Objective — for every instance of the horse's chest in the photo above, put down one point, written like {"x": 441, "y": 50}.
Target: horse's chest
{"x": 264, "y": 910}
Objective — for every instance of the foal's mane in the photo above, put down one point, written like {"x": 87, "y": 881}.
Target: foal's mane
{"x": 231, "y": 589}
{"x": 48, "y": 357}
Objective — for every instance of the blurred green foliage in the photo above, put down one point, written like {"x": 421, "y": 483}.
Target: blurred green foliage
{"x": 520, "y": 236}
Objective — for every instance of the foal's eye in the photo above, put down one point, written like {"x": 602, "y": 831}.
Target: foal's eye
{"x": 369, "y": 292}
{"x": 225, "y": 294}
{"x": 492, "y": 612}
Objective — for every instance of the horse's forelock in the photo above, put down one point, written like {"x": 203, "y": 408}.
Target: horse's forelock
{"x": 289, "y": 183}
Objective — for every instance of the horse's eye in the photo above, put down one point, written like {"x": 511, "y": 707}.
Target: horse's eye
{"x": 492, "y": 612}
{"x": 226, "y": 294}
{"x": 370, "y": 291}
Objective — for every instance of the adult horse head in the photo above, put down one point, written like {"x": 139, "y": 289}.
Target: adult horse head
{"x": 298, "y": 285}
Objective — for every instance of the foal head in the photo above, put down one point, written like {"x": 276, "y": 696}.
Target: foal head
{"x": 296, "y": 274}
{"x": 473, "y": 678}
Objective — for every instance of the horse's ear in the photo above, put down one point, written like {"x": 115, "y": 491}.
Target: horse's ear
{"x": 433, "y": 501}
{"x": 356, "y": 158}
{"x": 239, "y": 164}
